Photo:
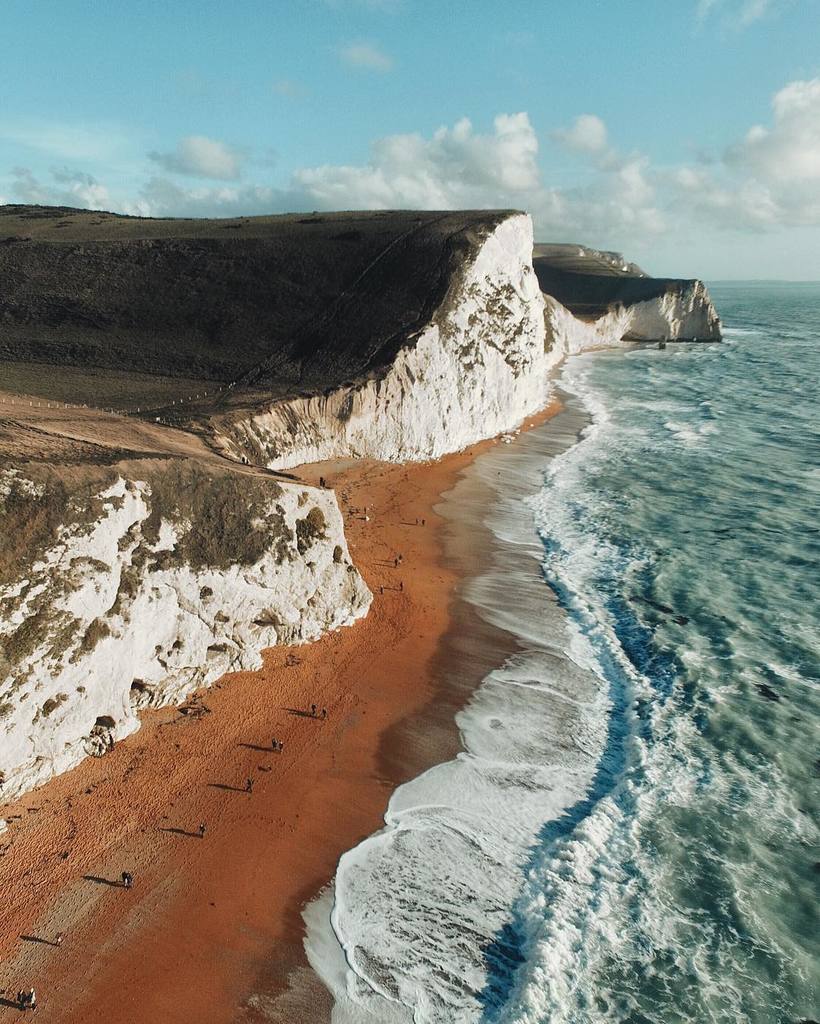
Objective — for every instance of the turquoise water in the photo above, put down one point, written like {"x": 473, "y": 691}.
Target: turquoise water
{"x": 682, "y": 537}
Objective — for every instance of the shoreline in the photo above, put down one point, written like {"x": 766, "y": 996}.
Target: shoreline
{"x": 491, "y": 541}
{"x": 194, "y": 938}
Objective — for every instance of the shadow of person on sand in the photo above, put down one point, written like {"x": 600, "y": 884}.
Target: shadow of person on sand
{"x": 299, "y": 712}
{"x": 38, "y": 938}
{"x": 223, "y": 785}
{"x": 9, "y": 1002}
{"x": 180, "y": 832}
{"x": 102, "y": 881}
{"x": 256, "y": 746}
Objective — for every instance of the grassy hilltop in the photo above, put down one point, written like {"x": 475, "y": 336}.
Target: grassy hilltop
{"x": 284, "y": 303}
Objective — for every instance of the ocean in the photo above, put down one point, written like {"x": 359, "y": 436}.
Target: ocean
{"x": 630, "y": 833}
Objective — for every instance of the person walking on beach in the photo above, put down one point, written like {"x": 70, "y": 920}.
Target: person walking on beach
{"x": 202, "y": 830}
{"x": 58, "y": 939}
{"x": 249, "y": 785}
{"x": 312, "y": 710}
{"x": 127, "y": 879}
{"x": 324, "y": 713}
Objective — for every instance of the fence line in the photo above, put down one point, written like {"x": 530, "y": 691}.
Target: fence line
{"x": 41, "y": 403}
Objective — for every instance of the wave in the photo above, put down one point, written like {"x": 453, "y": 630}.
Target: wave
{"x": 651, "y": 906}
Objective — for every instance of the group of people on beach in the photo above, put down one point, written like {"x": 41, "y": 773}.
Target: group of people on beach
{"x": 27, "y": 1000}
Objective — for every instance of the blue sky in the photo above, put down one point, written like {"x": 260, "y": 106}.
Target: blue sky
{"x": 683, "y": 132}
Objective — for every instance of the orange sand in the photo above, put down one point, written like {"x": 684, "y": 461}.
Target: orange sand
{"x": 212, "y": 921}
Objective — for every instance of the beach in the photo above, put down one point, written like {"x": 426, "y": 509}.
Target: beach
{"x": 212, "y": 927}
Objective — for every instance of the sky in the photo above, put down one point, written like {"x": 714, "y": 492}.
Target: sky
{"x": 684, "y": 133}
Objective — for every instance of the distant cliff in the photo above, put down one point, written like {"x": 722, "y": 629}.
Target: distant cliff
{"x": 601, "y": 288}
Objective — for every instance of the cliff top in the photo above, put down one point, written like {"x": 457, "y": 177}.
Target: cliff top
{"x": 299, "y": 302}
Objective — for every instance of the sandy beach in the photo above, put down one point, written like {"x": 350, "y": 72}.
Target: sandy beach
{"x": 212, "y": 929}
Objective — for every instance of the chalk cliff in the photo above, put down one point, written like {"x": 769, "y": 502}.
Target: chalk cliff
{"x": 137, "y": 601}
{"x": 620, "y": 301}
{"x": 480, "y": 365}
{"x": 476, "y": 368}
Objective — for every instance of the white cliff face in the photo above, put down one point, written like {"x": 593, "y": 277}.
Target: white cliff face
{"x": 96, "y": 631}
{"x": 478, "y": 369}
{"x": 686, "y": 315}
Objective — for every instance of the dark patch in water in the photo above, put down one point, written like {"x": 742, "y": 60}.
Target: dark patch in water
{"x": 766, "y": 691}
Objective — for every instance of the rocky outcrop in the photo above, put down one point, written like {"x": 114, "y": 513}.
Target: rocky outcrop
{"x": 136, "y": 605}
{"x": 676, "y": 315}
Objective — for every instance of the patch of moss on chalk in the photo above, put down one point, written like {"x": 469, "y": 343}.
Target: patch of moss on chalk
{"x": 310, "y": 529}
{"x": 221, "y": 520}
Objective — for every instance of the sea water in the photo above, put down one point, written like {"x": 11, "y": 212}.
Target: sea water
{"x": 631, "y": 832}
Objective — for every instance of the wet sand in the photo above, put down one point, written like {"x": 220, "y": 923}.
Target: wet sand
{"x": 212, "y": 929}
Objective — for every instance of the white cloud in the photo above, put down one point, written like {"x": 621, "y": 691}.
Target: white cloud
{"x": 455, "y": 167}
{"x": 771, "y": 177}
{"x": 161, "y": 197}
{"x": 460, "y": 168}
{"x": 587, "y": 134}
{"x": 365, "y": 56}
{"x": 68, "y": 188}
{"x": 736, "y": 13}
{"x": 201, "y": 157}
{"x": 789, "y": 151}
